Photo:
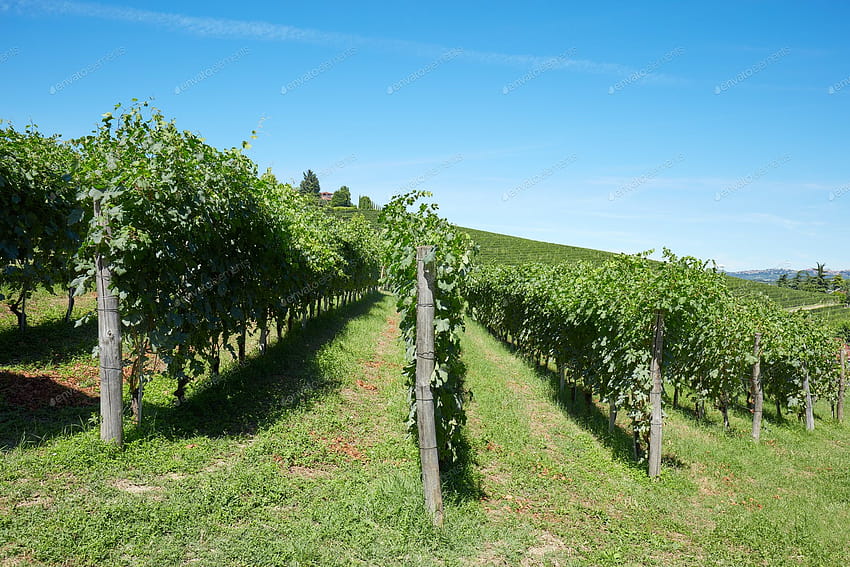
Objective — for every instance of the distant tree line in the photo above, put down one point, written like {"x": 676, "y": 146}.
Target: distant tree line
{"x": 816, "y": 280}
{"x": 341, "y": 198}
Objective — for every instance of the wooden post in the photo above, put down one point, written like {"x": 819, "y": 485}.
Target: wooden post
{"x": 562, "y": 370}
{"x": 810, "y": 416}
{"x": 755, "y": 386}
{"x": 842, "y": 384}
{"x": 109, "y": 342}
{"x": 425, "y": 362}
{"x": 655, "y": 397}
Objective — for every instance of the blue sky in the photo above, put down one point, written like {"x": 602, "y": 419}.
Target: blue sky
{"x": 719, "y": 130}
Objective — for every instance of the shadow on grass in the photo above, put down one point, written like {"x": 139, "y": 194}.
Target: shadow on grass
{"x": 590, "y": 417}
{"x": 461, "y": 480}
{"x": 46, "y": 344}
{"x": 256, "y": 393}
{"x": 20, "y": 426}
{"x": 712, "y": 416}
{"x": 238, "y": 402}
{"x": 583, "y": 411}
{"x": 34, "y": 406}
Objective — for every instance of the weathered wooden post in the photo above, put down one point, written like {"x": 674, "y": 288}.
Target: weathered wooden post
{"x": 842, "y": 384}
{"x": 109, "y": 343}
{"x": 425, "y": 362}
{"x": 755, "y": 386}
{"x": 810, "y": 415}
{"x": 655, "y": 397}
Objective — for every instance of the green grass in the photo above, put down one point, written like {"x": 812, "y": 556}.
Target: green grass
{"x": 300, "y": 457}
{"x": 722, "y": 500}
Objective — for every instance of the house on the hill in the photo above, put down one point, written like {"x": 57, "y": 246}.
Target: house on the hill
{"x": 325, "y": 196}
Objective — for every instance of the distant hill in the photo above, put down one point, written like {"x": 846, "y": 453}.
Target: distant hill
{"x": 773, "y": 274}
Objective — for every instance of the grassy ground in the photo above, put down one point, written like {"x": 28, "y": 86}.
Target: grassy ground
{"x": 300, "y": 457}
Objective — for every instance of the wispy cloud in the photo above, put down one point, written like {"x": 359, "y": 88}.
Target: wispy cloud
{"x": 265, "y": 31}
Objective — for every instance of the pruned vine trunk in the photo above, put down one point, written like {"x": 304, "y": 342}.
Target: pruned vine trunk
{"x": 180, "y": 392}
{"x": 136, "y": 401}
{"x": 640, "y": 453}
{"x": 264, "y": 338}
{"x": 19, "y": 308}
{"x": 612, "y": 416}
{"x": 70, "y": 309}
{"x": 240, "y": 345}
{"x": 588, "y": 397}
{"x": 724, "y": 409}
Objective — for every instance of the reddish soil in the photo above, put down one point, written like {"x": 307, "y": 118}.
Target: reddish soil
{"x": 49, "y": 389}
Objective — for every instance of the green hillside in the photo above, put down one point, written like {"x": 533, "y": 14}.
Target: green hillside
{"x": 503, "y": 249}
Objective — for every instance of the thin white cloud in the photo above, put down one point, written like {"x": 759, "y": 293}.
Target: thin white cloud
{"x": 264, "y": 31}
